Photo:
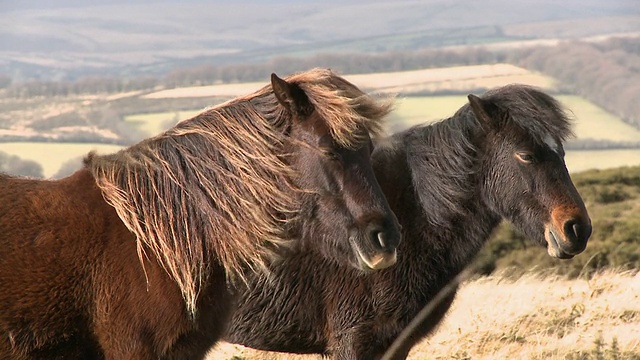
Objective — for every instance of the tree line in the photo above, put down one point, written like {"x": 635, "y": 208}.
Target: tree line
{"x": 11, "y": 164}
{"x": 606, "y": 73}
{"x": 81, "y": 86}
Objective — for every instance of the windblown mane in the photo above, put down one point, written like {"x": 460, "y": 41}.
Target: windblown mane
{"x": 535, "y": 111}
{"x": 217, "y": 186}
{"x": 349, "y": 112}
{"x": 445, "y": 153}
{"x": 441, "y": 157}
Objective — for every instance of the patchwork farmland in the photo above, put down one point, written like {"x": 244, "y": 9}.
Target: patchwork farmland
{"x": 413, "y": 107}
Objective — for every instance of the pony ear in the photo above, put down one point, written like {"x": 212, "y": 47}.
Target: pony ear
{"x": 484, "y": 111}
{"x": 291, "y": 97}
{"x": 282, "y": 91}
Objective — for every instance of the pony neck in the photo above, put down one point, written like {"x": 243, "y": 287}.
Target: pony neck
{"x": 447, "y": 218}
{"x": 443, "y": 159}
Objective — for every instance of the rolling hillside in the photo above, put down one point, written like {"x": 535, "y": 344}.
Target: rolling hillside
{"x": 71, "y": 38}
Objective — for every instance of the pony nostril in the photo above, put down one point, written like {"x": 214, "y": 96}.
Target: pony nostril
{"x": 381, "y": 240}
{"x": 577, "y": 230}
{"x": 384, "y": 237}
{"x": 582, "y": 231}
{"x": 378, "y": 236}
{"x": 388, "y": 240}
{"x": 571, "y": 229}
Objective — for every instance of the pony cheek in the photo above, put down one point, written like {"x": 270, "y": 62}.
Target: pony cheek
{"x": 522, "y": 218}
{"x": 326, "y": 183}
{"x": 325, "y": 229}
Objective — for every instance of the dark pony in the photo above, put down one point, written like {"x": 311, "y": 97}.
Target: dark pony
{"x": 450, "y": 184}
{"x": 131, "y": 256}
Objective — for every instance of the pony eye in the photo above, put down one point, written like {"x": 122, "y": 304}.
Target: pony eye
{"x": 525, "y": 157}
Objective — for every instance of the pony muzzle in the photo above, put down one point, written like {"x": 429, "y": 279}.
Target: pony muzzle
{"x": 565, "y": 244}
{"x": 375, "y": 243}
{"x": 384, "y": 238}
{"x": 382, "y": 260}
{"x": 568, "y": 231}
{"x": 377, "y": 261}
{"x": 375, "y": 256}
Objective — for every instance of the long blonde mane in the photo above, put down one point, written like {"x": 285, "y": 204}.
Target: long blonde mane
{"x": 216, "y": 188}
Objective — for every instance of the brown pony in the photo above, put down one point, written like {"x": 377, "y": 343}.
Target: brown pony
{"x": 131, "y": 256}
{"x": 450, "y": 184}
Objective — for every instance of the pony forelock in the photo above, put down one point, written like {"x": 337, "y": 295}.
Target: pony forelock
{"x": 350, "y": 113}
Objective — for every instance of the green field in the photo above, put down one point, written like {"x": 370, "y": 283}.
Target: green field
{"x": 415, "y": 110}
{"x": 581, "y": 160}
{"x": 590, "y": 121}
{"x": 155, "y": 123}
{"x": 52, "y": 155}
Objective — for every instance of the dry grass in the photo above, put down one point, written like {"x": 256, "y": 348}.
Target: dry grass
{"x": 534, "y": 317}
{"x": 539, "y": 318}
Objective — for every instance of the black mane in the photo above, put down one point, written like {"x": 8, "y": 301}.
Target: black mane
{"x": 533, "y": 110}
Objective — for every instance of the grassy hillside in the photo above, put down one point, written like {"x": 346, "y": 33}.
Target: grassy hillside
{"x": 539, "y": 317}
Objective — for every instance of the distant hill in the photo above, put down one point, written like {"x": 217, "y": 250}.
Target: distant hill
{"x": 69, "y": 38}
